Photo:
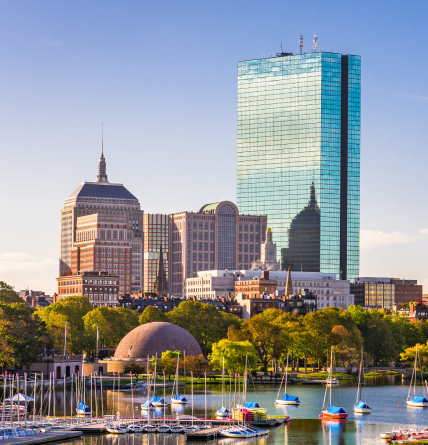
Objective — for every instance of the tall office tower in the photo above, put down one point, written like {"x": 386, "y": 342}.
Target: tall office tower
{"x": 216, "y": 237}
{"x": 156, "y": 235}
{"x": 101, "y": 245}
{"x": 108, "y": 199}
{"x": 299, "y": 156}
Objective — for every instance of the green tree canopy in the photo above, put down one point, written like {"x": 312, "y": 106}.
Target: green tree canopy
{"x": 8, "y": 294}
{"x": 235, "y": 354}
{"x": 207, "y": 324}
{"x": 379, "y": 342}
{"x": 152, "y": 313}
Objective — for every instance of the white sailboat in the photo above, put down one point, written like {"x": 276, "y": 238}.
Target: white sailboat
{"x": 286, "y": 399}
{"x": 415, "y": 401}
{"x": 178, "y": 399}
{"x": 223, "y": 411}
{"x": 361, "y": 406}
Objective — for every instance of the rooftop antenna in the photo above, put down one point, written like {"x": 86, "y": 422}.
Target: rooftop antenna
{"x": 315, "y": 42}
{"x": 102, "y": 139}
{"x": 281, "y": 47}
{"x": 301, "y": 43}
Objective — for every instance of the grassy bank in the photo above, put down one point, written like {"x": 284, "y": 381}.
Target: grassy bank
{"x": 324, "y": 375}
{"x": 381, "y": 373}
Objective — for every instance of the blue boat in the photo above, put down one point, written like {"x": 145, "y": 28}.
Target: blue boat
{"x": 222, "y": 412}
{"x": 83, "y": 410}
{"x": 157, "y": 401}
{"x": 148, "y": 406}
{"x": 178, "y": 399}
{"x": 286, "y": 399}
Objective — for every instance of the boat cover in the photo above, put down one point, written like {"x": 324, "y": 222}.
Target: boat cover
{"x": 155, "y": 398}
{"x": 179, "y": 397}
{"x": 361, "y": 404}
{"x": 83, "y": 407}
{"x": 417, "y": 399}
{"x": 222, "y": 410}
{"x": 19, "y": 398}
{"x": 147, "y": 404}
{"x": 250, "y": 405}
{"x": 336, "y": 410}
{"x": 288, "y": 398}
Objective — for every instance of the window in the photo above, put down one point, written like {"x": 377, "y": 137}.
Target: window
{"x": 252, "y": 238}
{"x": 246, "y": 237}
{"x": 212, "y": 225}
{"x": 201, "y": 226}
{"x": 240, "y": 237}
{"x": 251, "y": 228}
{"x": 206, "y": 236}
{"x": 245, "y": 227}
{"x": 240, "y": 248}
{"x": 201, "y": 236}
{"x": 195, "y": 226}
{"x": 195, "y": 235}
{"x": 240, "y": 227}
{"x": 200, "y": 246}
{"x": 212, "y": 247}
{"x": 206, "y": 225}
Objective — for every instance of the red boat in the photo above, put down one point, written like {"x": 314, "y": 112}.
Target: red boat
{"x": 334, "y": 412}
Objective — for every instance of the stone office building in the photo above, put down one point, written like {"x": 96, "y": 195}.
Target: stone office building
{"x": 217, "y": 237}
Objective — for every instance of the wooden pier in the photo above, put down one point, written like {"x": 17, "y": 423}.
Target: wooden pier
{"x": 206, "y": 434}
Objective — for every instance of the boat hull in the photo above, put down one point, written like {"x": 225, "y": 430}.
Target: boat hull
{"x": 417, "y": 404}
{"x": 326, "y": 415}
{"x": 287, "y": 402}
{"x": 362, "y": 410}
{"x": 178, "y": 402}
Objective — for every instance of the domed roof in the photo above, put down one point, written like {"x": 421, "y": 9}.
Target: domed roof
{"x": 155, "y": 338}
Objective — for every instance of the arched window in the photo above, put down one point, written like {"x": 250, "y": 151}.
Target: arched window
{"x": 251, "y": 228}
{"x": 212, "y": 225}
{"x": 257, "y": 228}
{"x": 245, "y": 227}
{"x": 201, "y": 226}
{"x": 206, "y": 225}
{"x": 195, "y": 225}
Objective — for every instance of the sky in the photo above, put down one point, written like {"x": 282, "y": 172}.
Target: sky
{"x": 162, "y": 77}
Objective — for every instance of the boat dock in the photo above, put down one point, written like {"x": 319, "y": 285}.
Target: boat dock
{"x": 51, "y": 436}
{"x": 206, "y": 434}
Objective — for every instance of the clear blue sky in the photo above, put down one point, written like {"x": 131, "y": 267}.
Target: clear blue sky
{"x": 162, "y": 76}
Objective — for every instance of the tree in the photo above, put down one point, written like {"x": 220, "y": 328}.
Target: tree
{"x": 24, "y": 337}
{"x": 378, "y": 341}
{"x": 168, "y": 362}
{"x": 235, "y": 354}
{"x": 196, "y": 364}
{"x": 266, "y": 337}
{"x": 134, "y": 369}
{"x": 74, "y": 310}
{"x": 409, "y": 354}
{"x": 8, "y": 294}
{"x": 151, "y": 314}
{"x": 207, "y": 324}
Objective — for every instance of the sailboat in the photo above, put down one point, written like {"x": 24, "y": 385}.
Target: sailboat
{"x": 360, "y": 406}
{"x": 178, "y": 399}
{"x": 223, "y": 411}
{"x": 286, "y": 399}
{"x": 192, "y": 427}
{"x": 148, "y": 405}
{"x": 332, "y": 412}
{"x": 133, "y": 428}
{"x": 416, "y": 401}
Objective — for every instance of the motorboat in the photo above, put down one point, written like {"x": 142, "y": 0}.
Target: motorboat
{"x": 332, "y": 381}
{"x": 418, "y": 401}
{"x": 362, "y": 408}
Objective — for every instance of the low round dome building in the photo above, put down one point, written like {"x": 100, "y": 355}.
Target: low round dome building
{"x": 150, "y": 339}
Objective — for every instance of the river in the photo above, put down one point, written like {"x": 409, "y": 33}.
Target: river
{"x": 386, "y": 396}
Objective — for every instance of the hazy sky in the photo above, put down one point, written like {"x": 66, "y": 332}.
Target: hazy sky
{"x": 162, "y": 76}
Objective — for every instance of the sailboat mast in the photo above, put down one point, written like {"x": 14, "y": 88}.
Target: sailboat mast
{"x": 286, "y": 376}
{"x": 331, "y": 371}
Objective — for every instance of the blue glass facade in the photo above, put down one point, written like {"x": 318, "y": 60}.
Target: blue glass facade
{"x": 298, "y": 156}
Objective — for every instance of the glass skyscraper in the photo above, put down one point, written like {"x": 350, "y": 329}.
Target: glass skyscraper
{"x": 299, "y": 156}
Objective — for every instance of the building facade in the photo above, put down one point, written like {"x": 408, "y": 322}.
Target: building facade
{"x": 299, "y": 156}
{"x": 215, "y": 284}
{"x": 407, "y": 291}
{"x": 100, "y": 288}
{"x": 156, "y": 235}
{"x": 379, "y": 293}
{"x": 216, "y": 237}
{"x": 101, "y": 245}
{"x": 107, "y": 199}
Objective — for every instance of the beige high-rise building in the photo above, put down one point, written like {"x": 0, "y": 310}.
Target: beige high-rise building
{"x": 215, "y": 238}
{"x": 156, "y": 234}
{"x": 109, "y": 200}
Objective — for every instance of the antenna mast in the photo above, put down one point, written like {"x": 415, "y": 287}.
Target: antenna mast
{"x": 102, "y": 138}
{"x": 315, "y": 42}
{"x": 301, "y": 43}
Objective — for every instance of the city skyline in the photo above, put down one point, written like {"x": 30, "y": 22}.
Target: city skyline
{"x": 67, "y": 72}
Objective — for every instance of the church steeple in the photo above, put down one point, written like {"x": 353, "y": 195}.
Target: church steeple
{"x": 289, "y": 285}
{"x": 161, "y": 283}
{"x": 102, "y": 166}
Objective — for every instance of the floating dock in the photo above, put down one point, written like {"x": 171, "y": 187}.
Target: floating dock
{"x": 36, "y": 439}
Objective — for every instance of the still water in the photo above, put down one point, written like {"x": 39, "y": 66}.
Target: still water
{"x": 386, "y": 396}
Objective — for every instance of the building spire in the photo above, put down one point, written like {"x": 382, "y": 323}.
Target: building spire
{"x": 102, "y": 166}
{"x": 161, "y": 282}
{"x": 289, "y": 285}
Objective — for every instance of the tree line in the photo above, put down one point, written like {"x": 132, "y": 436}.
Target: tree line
{"x": 26, "y": 334}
